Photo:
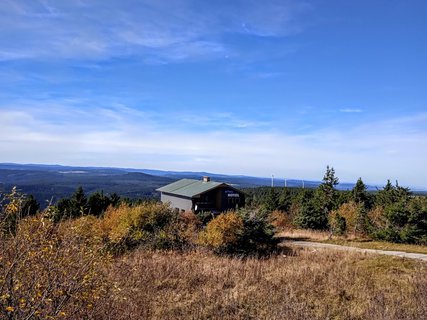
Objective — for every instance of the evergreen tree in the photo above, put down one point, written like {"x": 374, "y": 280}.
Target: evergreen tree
{"x": 114, "y": 199}
{"x": 405, "y": 222}
{"x": 327, "y": 189}
{"x": 271, "y": 201}
{"x": 98, "y": 203}
{"x": 79, "y": 202}
{"x": 391, "y": 194}
{"x": 388, "y": 186}
{"x": 326, "y": 197}
{"x": 72, "y": 207}
{"x": 308, "y": 214}
{"x": 30, "y": 207}
{"x": 65, "y": 209}
{"x": 385, "y": 196}
{"x": 285, "y": 199}
{"x": 359, "y": 193}
{"x": 415, "y": 231}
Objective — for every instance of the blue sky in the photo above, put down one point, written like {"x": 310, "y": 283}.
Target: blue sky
{"x": 238, "y": 87}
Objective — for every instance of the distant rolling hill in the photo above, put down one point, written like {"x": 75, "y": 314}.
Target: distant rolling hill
{"x": 47, "y": 183}
{"x": 55, "y": 181}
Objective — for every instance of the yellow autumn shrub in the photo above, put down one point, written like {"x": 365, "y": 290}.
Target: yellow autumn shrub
{"x": 10, "y": 210}
{"x": 46, "y": 273}
{"x": 224, "y": 232}
{"x": 350, "y": 212}
{"x": 86, "y": 229}
{"x": 377, "y": 217}
{"x": 148, "y": 223}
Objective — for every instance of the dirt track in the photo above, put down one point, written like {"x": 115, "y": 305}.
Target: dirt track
{"x": 317, "y": 245}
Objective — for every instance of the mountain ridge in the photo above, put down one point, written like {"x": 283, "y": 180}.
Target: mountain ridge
{"x": 240, "y": 180}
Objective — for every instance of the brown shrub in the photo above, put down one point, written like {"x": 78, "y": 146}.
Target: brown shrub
{"x": 355, "y": 222}
{"x": 188, "y": 227}
{"x": 281, "y": 220}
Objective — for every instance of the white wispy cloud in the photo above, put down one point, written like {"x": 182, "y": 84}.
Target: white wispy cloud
{"x": 394, "y": 148}
{"x": 169, "y": 30}
{"x": 211, "y": 121}
{"x": 351, "y": 110}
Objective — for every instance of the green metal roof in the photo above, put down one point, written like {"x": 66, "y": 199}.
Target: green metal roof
{"x": 189, "y": 187}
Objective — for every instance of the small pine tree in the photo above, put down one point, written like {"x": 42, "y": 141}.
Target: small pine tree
{"x": 30, "y": 206}
{"x": 309, "y": 215}
{"x": 285, "y": 200}
{"x": 98, "y": 203}
{"x": 327, "y": 189}
{"x": 79, "y": 201}
{"x": 271, "y": 202}
{"x": 359, "y": 193}
{"x": 114, "y": 199}
{"x": 325, "y": 199}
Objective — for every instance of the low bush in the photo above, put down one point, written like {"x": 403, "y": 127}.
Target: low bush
{"x": 259, "y": 233}
{"x": 150, "y": 224}
{"x": 243, "y": 231}
{"x": 337, "y": 223}
{"x": 223, "y": 233}
{"x": 48, "y": 274}
{"x": 387, "y": 234}
{"x": 281, "y": 220}
{"x": 187, "y": 228}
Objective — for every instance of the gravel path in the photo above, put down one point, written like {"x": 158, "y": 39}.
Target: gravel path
{"x": 317, "y": 245}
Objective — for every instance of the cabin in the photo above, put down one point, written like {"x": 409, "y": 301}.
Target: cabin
{"x": 201, "y": 195}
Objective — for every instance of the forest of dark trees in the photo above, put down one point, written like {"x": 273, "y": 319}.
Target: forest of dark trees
{"x": 392, "y": 213}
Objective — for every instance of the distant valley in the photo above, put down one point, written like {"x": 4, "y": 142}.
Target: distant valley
{"x": 48, "y": 182}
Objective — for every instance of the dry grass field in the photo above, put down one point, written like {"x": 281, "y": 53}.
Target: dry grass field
{"x": 304, "y": 234}
{"x": 301, "y": 285}
{"x": 68, "y": 271}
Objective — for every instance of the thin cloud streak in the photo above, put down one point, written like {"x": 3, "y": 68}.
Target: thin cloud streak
{"x": 168, "y": 30}
{"x": 351, "y": 110}
{"x": 135, "y": 139}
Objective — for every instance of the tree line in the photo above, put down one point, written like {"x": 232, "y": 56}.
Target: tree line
{"x": 393, "y": 213}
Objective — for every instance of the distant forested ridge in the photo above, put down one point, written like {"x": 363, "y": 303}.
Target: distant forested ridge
{"x": 54, "y": 183}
